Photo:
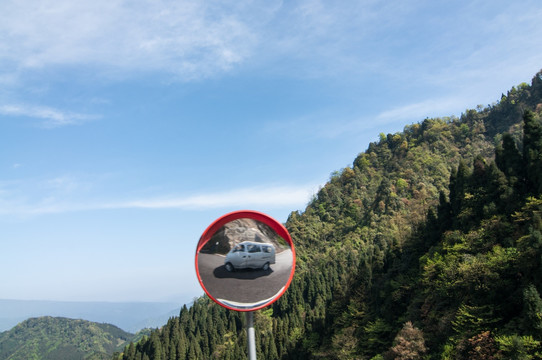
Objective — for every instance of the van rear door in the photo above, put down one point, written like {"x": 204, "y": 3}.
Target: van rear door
{"x": 268, "y": 254}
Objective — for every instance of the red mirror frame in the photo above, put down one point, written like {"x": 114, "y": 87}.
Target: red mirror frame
{"x": 250, "y": 214}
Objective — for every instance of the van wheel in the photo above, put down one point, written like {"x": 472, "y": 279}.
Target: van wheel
{"x": 229, "y": 267}
{"x": 265, "y": 266}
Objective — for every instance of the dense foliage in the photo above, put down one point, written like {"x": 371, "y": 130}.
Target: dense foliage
{"x": 61, "y": 338}
{"x": 429, "y": 246}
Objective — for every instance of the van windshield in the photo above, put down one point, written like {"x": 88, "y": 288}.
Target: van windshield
{"x": 239, "y": 248}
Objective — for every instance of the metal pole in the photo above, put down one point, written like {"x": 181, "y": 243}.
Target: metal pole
{"x": 251, "y": 340}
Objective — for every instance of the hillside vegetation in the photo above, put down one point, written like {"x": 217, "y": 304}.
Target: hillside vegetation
{"x": 57, "y": 338}
{"x": 429, "y": 246}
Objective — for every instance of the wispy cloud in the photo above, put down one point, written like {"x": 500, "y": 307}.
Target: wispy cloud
{"x": 281, "y": 196}
{"x": 187, "y": 38}
{"x": 196, "y": 40}
{"x": 329, "y": 126}
{"x": 191, "y": 39}
{"x": 418, "y": 111}
{"x": 49, "y": 117}
{"x": 56, "y": 202}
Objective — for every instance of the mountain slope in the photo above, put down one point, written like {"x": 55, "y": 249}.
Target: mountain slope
{"x": 61, "y": 338}
{"x": 387, "y": 252}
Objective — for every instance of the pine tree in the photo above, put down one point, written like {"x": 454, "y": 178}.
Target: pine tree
{"x": 458, "y": 183}
{"x": 497, "y": 191}
{"x": 532, "y": 311}
{"x": 129, "y": 353}
{"x": 509, "y": 159}
{"x": 272, "y": 349}
{"x": 192, "y": 353}
{"x": 532, "y": 152}
{"x": 156, "y": 347}
{"x": 182, "y": 346}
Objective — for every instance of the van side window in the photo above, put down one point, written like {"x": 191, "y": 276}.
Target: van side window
{"x": 266, "y": 249}
{"x": 239, "y": 248}
{"x": 253, "y": 248}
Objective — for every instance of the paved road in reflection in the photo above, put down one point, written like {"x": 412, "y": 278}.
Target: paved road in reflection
{"x": 244, "y": 286}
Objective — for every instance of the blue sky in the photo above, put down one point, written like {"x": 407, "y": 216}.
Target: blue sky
{"x": 129, "y": 126}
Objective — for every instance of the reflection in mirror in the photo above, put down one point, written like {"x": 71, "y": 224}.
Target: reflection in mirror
{"x": 245, "y": 264}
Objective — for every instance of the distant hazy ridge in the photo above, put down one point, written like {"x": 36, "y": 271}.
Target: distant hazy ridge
{"x": 128, "y": 316}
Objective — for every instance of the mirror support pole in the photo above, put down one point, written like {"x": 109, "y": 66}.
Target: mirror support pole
{"x": 251, "y": 340}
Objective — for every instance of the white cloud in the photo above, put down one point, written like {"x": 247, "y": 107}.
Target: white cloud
{"x": 328, "y": 126}
{"x": 191, "y": 39}
{"x": 416, "y": 112}
{"x": 195, "y": 40}
{"x": 64, "y": 200}
{"x": 272, "y": 196}
{"x": 50, "y": 117}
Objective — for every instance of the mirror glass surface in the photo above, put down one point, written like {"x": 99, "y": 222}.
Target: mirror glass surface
{"x": 245, "y": 264}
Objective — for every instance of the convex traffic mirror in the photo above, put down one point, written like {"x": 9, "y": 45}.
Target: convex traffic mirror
{"x": 245, "y": 260}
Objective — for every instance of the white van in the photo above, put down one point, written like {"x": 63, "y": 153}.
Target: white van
{"x": 250, "y": 255}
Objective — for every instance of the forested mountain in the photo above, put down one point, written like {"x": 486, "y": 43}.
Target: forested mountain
{"x": 58, "y": 338}
{"x": 429, "y": 246}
